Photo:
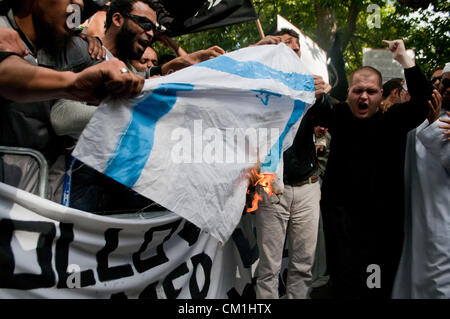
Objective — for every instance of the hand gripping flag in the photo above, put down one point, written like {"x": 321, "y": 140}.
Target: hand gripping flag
{"x": 190, "y": 139}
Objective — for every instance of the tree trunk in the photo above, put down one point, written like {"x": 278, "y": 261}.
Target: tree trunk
{"x": 326, "y": 25}
{"x": 353, "y": 12}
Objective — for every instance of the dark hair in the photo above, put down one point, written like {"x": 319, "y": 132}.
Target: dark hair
{"x": 122, "y": 7}
{"x": 287, "y": 31}
{"x": 370, "y": 70}
{"x": 391, "y": 85}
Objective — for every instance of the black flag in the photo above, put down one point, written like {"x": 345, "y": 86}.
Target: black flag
{"x": 193, "y": 16}
{"x": 336, "y": 70}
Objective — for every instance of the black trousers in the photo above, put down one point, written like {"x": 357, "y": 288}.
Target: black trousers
{"x": 363, "y": 246}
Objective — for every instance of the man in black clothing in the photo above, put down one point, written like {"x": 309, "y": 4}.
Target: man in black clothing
{"x": 362, "y": 193}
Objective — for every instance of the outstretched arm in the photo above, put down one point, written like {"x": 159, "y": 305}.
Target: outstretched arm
{"x": 184, "y": 61}
{"x": 170, "y": 43}
{"x": 23, "y": 82}
{"x": 411, "y": 114}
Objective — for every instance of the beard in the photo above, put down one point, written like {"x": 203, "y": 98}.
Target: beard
{"x": 125, "y": 44}
{"x": 47, "y": 37}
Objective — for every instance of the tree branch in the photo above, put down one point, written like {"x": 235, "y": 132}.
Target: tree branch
{"x": 325, "y": 24}
{"x": 353, "y": 12}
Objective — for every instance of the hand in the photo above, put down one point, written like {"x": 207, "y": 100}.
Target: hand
{"x": 170, "y": 43}
{"x": 166, "y": 41}
{"x": 207, "y": 54}
{"x": 270, "y": 39}
{"x": 385, "y": 105}
{"x": 319, "y": 148}
{"x": 328, "y": 88}
{"x": 95, "y": 83}
{"x": 397, "y": 47}
{"x": 446, "y": 126}
{"x": 320, "y": 86}
{"x": 10, "y": 41}
{"x": 435, "y": 105}
{"x": 191, "y": 59}
{"x": 320, "y": 131}
{"x": 96, "y": 50}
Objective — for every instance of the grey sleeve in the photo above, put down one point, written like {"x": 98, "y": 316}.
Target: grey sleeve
{"x": 78, "y": 56}
{"x": 71, "y": 117}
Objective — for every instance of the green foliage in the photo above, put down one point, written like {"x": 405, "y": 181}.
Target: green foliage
{"x": 425, "y": 32}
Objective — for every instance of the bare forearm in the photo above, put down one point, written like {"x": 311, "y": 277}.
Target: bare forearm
{"x": 406, "y": 61}
{"x": 176, "y": 64}
{"x": 179, "y": 51}
{"x": 23, "y": 82}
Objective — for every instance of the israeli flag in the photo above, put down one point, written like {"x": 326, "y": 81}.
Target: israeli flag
{"x": 190, "y": 139}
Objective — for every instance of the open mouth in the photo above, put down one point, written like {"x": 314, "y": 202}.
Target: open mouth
{"x": 363, "y": 106}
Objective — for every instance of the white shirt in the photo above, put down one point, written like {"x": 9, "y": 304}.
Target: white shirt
{"x": 424, "y": 270}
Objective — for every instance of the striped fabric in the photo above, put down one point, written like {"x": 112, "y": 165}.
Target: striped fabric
{"x": 188, "y": 140}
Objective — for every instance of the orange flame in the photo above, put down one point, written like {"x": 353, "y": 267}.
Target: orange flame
{"x": 265, "y": 180}
{"x": 255, "y": 201}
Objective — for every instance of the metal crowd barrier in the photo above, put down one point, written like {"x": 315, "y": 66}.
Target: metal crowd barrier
{"x": 40, "y": 159}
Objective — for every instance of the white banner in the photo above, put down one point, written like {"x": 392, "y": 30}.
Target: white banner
{"x": 190, "y": 139}
{"x": 381, "y": 59}
{"x": 50, "y": 251}
{"x": 313, "y": 56}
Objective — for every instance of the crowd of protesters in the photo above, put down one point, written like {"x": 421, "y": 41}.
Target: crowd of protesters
{"x": 366, "y": 181}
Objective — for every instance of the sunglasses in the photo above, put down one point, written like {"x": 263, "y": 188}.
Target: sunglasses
{"x": 446, "y": 82}
{"x": 143, "y": 22}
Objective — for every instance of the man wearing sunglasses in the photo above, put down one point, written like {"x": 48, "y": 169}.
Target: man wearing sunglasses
{"x": 130, "y": 30}
{"x": 131, "y": 27}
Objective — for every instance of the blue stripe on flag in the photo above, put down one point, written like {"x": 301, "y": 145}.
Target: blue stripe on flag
{"x": 135, "y": 147}
{"x": 257, "y": 70}
{"x": 273, "y": 158}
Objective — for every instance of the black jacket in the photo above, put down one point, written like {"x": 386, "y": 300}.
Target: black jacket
{"x": 300, "y": 160}
{"x": 362, "y": 193}
{"x": 366, "y": 159}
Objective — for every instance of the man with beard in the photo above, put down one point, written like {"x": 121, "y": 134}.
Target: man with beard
{"x": 424, "y": 271}
{"x": 42, "y": 26}
{"x": 362, "y": 193}
{"x": 130, "y": 28}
